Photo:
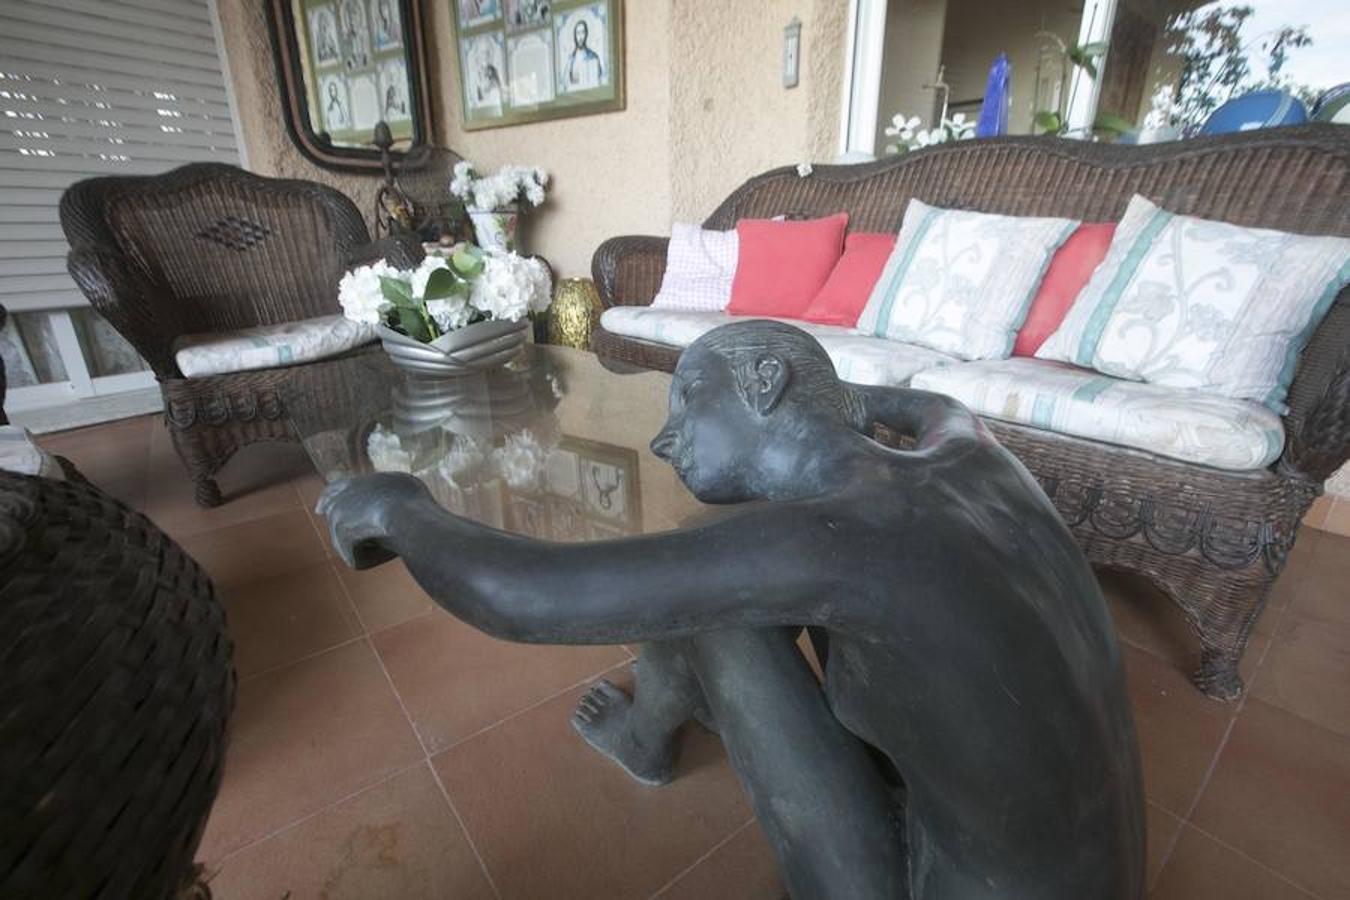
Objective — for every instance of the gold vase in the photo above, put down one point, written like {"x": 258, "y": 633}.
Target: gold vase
{"x": 574, "y": 314}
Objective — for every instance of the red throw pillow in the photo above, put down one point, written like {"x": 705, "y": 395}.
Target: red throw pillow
{"x": 1068, "y": 273}
{"x": 841, "y": 300}
{"x": 781, "y": 266}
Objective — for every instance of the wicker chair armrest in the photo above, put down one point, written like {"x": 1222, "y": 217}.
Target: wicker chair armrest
{"x": 628, "y": 270}
{"x": 1317, "y": 427}
{"x": 403, "y": 251}
{"x": 141, "y": 313}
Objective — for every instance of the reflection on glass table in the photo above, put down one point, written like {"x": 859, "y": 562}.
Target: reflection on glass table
{"x": 551, "y": 445}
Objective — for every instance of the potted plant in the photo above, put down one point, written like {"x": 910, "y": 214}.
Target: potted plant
{"x": 493, "y": 201}
{"x": 461, "y": 310}
{"x": 909, "y": 135}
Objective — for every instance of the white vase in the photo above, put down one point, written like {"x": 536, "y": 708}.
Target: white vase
{"x": 496, "y": 228}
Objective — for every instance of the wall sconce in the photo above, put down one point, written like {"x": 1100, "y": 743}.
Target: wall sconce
{"x": 792, "y": 52}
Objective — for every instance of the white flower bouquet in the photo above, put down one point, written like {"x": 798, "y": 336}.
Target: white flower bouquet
{"x": 909, "y": 136}
{"x": 446, "y": 292}
{"x": 500, "y": 190}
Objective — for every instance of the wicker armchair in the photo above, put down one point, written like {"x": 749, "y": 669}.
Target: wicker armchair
{"x": 1215, "y": 541}
{"x": 210, "y": 247}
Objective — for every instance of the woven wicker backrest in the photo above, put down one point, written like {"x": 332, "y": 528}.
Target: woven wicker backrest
{"x": 228, "y": 248}
{"x": 1292, "y": 179}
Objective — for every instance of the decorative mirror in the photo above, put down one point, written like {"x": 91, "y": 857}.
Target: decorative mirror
{"x": 344, "y": 66}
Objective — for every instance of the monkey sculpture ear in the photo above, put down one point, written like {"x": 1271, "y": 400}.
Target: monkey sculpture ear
{"x": 765, "y": 384}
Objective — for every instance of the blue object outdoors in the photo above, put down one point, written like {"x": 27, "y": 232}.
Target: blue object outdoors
{"x": 997, "y": 97}
{"x": 1259, "y": 109}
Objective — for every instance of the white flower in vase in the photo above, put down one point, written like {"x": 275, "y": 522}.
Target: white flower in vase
{"x": 451, "y": 313}
{"x": 361, "y": 294}
{"x": 504, "y": 188}
{"x": 511, "y": 287}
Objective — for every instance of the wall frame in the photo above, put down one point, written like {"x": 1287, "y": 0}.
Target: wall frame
{"x": 342, "y": 66}
{"x": 532, "y": 60}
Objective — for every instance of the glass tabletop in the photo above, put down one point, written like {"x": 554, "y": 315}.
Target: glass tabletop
{"x": 552, "y": 445}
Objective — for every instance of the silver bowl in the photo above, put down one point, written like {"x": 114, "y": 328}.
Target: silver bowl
{"x": 474, "y": 348}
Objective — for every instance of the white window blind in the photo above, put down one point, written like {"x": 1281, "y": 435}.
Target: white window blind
{"x": 96, "y": 87}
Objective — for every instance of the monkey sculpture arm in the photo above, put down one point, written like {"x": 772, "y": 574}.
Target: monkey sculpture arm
{"x": 754, "y": 569}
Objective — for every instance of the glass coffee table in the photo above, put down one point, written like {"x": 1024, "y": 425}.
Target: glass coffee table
{"x": 552, "y": 445}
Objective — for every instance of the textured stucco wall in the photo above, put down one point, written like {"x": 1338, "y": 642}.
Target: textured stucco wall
{"x": 610, "y": 172}
{"x": 248, "y": 48}
{"x": 706, "y": 110}
{"x": 731, "y": 117}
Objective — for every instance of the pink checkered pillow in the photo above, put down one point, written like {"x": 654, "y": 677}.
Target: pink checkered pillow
{"x": 700, "y": 265}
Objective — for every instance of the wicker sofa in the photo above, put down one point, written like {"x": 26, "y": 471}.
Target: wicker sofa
{"x": 1214, "y": 540}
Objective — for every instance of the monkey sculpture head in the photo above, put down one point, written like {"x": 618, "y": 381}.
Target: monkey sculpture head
{"x": 746, "y": 400}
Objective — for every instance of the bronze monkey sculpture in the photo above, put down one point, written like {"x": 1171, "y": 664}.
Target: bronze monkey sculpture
{"x": 972, "y": 737}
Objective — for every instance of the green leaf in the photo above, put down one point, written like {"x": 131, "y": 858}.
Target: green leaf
{"x": 1116, "y": 124}
{"x": 397, "y": 292}
{"x": 442, "y": 283}
{"x": 467, "y": 262}
{"x": 1049, "y": 122}
{"x": 1094, "y": 49}
{"x": 413, "y": 325}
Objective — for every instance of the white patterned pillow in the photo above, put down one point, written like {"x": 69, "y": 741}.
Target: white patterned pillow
{"x": 1193, "y": 303}
{"x": 961, "y": 282}
{"x": 700, "y": 265}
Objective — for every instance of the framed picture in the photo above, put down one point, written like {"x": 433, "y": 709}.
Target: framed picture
{"x": 346, "y": 65}
{"x": 530, "y": 60}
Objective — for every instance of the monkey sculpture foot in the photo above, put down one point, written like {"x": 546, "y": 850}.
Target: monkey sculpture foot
{"x": 602, "y": 720}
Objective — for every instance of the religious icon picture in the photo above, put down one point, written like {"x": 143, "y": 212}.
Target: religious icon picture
{"x": 323, "y": 32}
{"x": 394, "y": 105}
{"x": 531, "y": 62}
{"x": 583, "y": 39}
{"x": 477, "y": 12}
{"x": 524, "y": 14}
{"x": 334, "y": 105}
{"x": 540, "y": 59}
{"x": 483, "y": 61}
{"x": 355, "y": 34}
{"x": 364, "y": 94}
{"x": 386, "y": 29}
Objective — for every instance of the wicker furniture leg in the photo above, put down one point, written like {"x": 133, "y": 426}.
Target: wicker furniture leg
{"x": 201, "y": 465}
{"x": 1223, "y": 617}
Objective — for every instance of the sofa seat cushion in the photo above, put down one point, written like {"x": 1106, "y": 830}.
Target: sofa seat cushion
{"x": 269, "y": 346}
{"x": 1174, "y": 422}
{"x": 857, "y": 358}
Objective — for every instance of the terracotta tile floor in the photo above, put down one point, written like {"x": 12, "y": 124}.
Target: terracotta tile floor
{"x": 382, "y": 749}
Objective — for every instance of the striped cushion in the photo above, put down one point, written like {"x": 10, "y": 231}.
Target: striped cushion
{"x": 20, "y": 453}
{"x": 1193, "y": 303}
{"x": 269, "y": 346}
{"x": 1181, "y": 424}
{"x": 961, "y": 282}
{"x": 857, "y": 358}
